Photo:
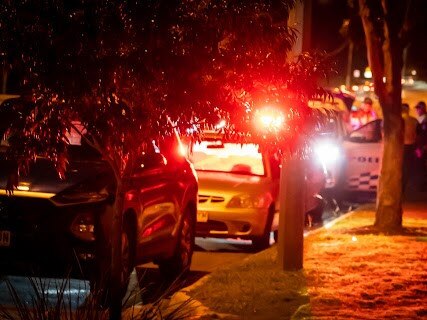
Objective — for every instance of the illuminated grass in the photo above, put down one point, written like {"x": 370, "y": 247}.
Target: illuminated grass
{"x": 350, "y": 272}
{"x": 256, "y": 288}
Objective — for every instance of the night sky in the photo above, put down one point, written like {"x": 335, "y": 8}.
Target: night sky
{"x": 327, "y": 18}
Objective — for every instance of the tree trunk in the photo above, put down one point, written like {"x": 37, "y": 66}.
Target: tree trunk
{"x": 116, "y": 254}
{"x": 389, "y": 198}
{"x": 389, "y": 206}
{"x": 384, "y": 51}
{"x": 291, "y": 215}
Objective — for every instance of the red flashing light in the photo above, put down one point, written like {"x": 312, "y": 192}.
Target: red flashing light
{"x": 269, "y": 118}
{"x": 129, "y": 196}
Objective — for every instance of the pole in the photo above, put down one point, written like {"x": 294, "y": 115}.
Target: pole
{"x": 292, "y": 185}
{"x": 291, "y": 214}
{"x": 349, "y": 65}
{"x": 405, "y": 59}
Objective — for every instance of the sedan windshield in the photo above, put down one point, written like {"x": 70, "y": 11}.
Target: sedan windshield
{"x": 228, "y": 157}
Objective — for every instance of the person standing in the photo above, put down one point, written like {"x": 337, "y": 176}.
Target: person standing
{"x": 421, "y": 112}
{"x": 410, "y": 125}
{"x": 421, "y": 144}
{"x": 365, "y": 114}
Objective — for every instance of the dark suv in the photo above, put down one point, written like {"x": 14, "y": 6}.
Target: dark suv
{"x": 51, "y": 226}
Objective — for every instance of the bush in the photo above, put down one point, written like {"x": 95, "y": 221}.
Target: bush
{"x": 49, "y": 300}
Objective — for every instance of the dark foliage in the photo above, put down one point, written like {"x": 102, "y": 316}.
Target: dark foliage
{"x": 124, "y": 69}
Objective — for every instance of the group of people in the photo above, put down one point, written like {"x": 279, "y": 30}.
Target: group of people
{"x": 415, "y": 147}
{"x": 415, "y": 140}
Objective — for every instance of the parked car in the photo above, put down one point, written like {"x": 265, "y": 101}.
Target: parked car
{"x": 238, "y": 190}
{"x": 50, "y": 225}
{"x": 362, "y": 148}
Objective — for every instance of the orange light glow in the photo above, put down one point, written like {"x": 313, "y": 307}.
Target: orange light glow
{"x": 23, "y": 188}
{"x": 43, "y": 195}
{"x": 182, "y": 149}
{"x": 269, "y": 118}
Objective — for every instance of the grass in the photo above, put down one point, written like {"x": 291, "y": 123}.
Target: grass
{"x": 350, "y": 272}
{"x": 257, "y": 288}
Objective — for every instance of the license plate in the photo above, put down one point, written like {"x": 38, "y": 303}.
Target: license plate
{"x": 202, "y": 216}
{"x": 4, "y": 238}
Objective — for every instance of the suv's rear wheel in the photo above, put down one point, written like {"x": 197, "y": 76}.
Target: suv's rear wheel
{"x": 180, "y": 262}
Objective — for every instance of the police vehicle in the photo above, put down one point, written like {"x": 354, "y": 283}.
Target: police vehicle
{"x": 353, "y": 160}
{"x": 362, "y": 152}
{"x": 350, "y": 159}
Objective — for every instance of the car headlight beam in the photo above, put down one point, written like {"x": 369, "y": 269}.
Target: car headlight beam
{"x": 327, "y": 153}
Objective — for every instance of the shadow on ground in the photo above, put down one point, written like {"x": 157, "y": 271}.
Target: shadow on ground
{"x": 371, "y": 230}
{"x": 153, "y": 286}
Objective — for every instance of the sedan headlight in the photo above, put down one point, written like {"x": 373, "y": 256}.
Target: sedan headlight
{"x": 249, "y": 201}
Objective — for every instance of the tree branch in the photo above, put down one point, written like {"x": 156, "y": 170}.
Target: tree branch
{"x": 336, "y": 51}
{"x": 392, "y": 50}
{"x": 374, "y": 47}
{"x": 407, "y": 25}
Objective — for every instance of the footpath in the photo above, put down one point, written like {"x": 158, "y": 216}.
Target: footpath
{"x": 350, "y": 272}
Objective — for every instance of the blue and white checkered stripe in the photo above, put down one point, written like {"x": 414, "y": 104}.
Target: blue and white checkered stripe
{"x": 366, "y": 181}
